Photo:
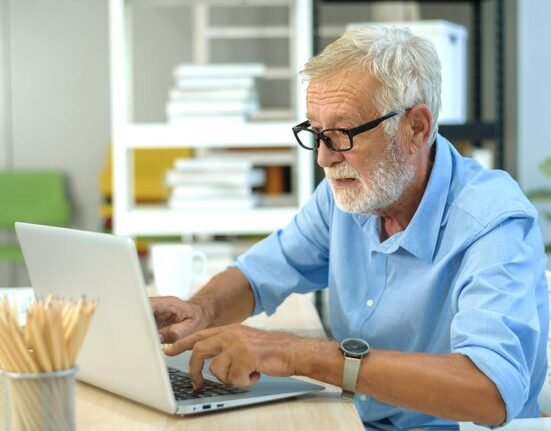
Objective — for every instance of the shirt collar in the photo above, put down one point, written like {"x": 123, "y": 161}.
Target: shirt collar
{"x": 421, "y": 234}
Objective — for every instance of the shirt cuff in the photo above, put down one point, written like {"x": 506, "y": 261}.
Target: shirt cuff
{"x": 503, "y": 374}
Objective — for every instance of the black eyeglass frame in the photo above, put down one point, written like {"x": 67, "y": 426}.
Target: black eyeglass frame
{"x": 320, "y": 135}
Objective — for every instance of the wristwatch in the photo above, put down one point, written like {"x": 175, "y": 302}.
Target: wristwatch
{"x": 353, "y": 349}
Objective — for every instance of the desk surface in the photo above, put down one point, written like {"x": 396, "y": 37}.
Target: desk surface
{"x": 100, "y": 410}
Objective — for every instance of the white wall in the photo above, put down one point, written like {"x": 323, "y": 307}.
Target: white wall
{"x": 534, "y": 90}
{"x": 5, "y": 134}
{"x": 534, "y": 96}
{"x": 54, "y": 106}
{"x": 5, "y": 97}
{"x": 58, "y": 53}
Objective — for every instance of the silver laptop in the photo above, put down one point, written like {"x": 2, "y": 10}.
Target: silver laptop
{"x": 121, "y": 353}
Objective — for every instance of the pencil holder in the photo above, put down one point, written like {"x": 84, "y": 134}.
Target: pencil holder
{"x": 39, "y": 401}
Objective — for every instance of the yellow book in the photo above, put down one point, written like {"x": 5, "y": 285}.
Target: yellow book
{"x": 150, "y": 166}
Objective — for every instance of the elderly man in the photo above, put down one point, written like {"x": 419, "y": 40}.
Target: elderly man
{"x": 434, "y": 265}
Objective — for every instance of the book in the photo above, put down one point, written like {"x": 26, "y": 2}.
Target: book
{"x": 220, "y": 70}
{"x": 214, "y": 204}
{"x": 252, "y": 178}
{"x": 212, "y": 164}
{"x": 210, "y": 192}
{"x": 257, "y": 156}
{"x": 275, "y": 180}
{"x": 206, "y": 95}
{"x": 229, "y": 120}
{"x": 192, "y": 107}
{"x": 218, "y": 84}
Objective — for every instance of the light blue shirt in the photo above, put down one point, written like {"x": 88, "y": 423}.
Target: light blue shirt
{"x": 467, "y": 275}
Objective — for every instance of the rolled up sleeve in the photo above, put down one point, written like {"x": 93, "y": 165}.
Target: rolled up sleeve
{"x": 293, "y": 259}
{"x": 501, "y": 318}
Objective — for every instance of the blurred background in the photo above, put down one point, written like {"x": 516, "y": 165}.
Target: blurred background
{"x": 109, "y": 96}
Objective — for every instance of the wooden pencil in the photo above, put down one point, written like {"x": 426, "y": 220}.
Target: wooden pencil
{"x": 50, "y": 341}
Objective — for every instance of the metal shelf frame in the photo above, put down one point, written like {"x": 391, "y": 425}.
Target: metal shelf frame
{"x": 476, "y": 129}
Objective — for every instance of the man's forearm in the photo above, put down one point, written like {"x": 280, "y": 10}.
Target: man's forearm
{"x": 226, "y": 298}
{"x": 448, "y": 386}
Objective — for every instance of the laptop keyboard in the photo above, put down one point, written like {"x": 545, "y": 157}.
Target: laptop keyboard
{"x": 183, "y": 389}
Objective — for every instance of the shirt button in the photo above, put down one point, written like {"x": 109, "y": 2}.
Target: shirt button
{"x": 363, "y": 398}
{"x": 369, "y": 302}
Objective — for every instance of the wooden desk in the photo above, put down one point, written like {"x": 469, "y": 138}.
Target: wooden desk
{"x": 100, "y": 410}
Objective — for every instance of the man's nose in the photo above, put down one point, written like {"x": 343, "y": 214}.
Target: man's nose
{"x": 326, "y": 157}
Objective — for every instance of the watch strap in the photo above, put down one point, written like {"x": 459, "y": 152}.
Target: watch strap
{"x": 350, "y": 376}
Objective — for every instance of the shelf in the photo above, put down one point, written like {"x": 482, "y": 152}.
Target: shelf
{"x": 278, "y": 73}
{"x": 268, "y": 133}
{"x": 420, "y": 1}
{"x": 256, "y": 157}
{"x": 172, "y": 3}
{"x": 248, "y": 32}
{"x": 469, "y": 131}
{"x": 138, "y": 221}
{"x": 272, "y": 114}
{"x": 253, "y": 134}
{"x": 332, "y": 32}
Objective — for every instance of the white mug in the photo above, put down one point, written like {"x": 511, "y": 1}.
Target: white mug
{"x": 174, "y": 270}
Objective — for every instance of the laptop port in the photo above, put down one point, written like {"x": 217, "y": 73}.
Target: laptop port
{"x": 206, "y": 406}
{"x": 219, "y": 405}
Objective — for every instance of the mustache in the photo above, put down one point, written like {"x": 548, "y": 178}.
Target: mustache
{"x": 341, "y": 171}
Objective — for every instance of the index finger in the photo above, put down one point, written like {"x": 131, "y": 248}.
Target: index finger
{"x": 188, "y": 342}
{"x": 202, "y": 350}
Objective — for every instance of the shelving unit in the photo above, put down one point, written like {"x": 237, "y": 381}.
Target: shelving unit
{"x": 476, "y": 129}
{"x": 133, "y": 220}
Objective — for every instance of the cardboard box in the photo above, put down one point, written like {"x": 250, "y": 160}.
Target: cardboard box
{"x": 450, "y": 41}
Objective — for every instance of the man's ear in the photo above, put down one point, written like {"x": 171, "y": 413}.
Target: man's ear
{"x": 419, "y": 125}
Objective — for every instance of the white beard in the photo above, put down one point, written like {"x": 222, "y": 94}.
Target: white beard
{"x": 385, "y": 185}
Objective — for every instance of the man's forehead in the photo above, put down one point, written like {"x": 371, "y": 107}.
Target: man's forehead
{"x": 346, "y": 84}
{"x": 347, "y": 94}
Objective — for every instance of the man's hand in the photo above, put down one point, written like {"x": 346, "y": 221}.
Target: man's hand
{"x": 240, "y": 354}
{"x": 176, "y": 318}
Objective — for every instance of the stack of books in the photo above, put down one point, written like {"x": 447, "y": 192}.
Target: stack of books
{"x": 214, "y": 184}
{"x": 203, "y": 92}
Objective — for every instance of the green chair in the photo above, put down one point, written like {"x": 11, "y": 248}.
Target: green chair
{"x": 32, "y": 197}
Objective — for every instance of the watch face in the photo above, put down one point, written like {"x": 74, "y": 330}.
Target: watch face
{"x": 355, "y": 346}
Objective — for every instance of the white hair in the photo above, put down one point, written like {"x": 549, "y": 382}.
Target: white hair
{"x": 406, "y": 66}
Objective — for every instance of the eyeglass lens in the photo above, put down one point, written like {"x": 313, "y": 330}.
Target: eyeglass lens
{"x": 336, "y": 139}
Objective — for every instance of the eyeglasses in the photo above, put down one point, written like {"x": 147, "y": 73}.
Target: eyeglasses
{"x": 336, "y": 139}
